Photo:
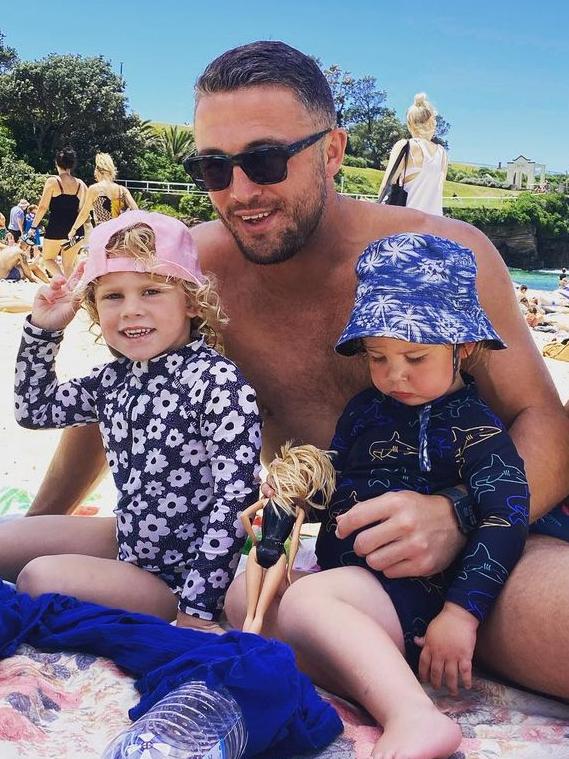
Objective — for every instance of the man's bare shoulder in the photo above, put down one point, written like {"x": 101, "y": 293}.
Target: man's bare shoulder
{"x": 376, "y": 220}
{"x": 214, "y": 245}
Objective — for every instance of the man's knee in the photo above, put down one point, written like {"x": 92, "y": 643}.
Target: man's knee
{"x": 40, "y": 575}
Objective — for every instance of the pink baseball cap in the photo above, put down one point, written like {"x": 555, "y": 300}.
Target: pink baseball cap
{"x": 176, "y": 253}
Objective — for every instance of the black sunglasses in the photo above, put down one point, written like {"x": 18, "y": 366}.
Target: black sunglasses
{"x": 264, "y": 165}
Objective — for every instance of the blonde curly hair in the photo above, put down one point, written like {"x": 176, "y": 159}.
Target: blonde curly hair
{"x": 138, "y": 242}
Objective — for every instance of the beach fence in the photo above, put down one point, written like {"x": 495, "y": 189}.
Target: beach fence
{"x": 189, "y": 188}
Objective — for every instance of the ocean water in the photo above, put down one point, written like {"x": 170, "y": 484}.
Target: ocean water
{"x": 540, "y": 279}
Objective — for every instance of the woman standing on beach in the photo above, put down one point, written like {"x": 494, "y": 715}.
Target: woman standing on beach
{"x": 424, "y": 171}
{"x": 62, "y": 196}
{"x": 106, "y": 199}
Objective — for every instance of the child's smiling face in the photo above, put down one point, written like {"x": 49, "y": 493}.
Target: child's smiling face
{"x": 141, "y": 316}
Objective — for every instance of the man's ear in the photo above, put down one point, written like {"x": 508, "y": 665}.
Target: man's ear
{"x": 336, "y": 147}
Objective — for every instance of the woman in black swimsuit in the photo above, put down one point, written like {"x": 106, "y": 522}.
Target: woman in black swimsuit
{"x": 62, "y": 196}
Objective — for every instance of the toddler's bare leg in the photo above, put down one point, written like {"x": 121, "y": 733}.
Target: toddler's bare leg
{"x": 77, "y": 465}
{"x": 345, "y": 629}
{"x": 22, "y": 540}
{"x": 104, "y": 581}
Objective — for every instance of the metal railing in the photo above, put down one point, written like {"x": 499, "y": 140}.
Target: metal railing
{"x": 189, "y": 188}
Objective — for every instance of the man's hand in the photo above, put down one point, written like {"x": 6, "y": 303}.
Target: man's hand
{"x": 448, "y": 647}
{"x": 406, "y": 534}
{"x": 204, "y": 625}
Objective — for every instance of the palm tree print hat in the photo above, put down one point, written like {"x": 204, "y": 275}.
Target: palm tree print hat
{"x": 417, "y": 288}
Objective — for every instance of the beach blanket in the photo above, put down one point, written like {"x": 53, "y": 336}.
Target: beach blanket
{"x": 281, "y": 709}
{"x": 70, "y": 705}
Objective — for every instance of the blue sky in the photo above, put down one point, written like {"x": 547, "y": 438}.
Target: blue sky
{"x": 498, "y": 70}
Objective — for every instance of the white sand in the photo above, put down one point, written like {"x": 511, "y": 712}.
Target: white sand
{"x": 25, "y": 454}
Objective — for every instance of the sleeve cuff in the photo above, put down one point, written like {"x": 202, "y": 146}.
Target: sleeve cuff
{"x": 49, "y": 336}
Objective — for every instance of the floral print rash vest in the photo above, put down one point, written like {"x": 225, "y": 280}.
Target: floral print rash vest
{"x": 182, "y": 437}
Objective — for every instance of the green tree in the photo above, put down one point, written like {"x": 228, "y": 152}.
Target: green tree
{"x": 70, "y": 99}
{"x": 341, "y": 83}
{"x": 375, "y": 144}
{"x": 366, "y": 101}
{"x": 17, "y": 178}
{"x": 8, "y": 56}
{"x": 177, "y": 143}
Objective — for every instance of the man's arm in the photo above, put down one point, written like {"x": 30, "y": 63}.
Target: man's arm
{"x": 78, "y": 464}
{"x": 515, "y": 382}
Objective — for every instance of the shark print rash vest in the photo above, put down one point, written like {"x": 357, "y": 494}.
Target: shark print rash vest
{"x": 377, "y": 441}
{"x": 182, "y": 438}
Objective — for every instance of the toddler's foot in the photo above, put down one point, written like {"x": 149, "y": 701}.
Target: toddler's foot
{"x": 421, "y": 732}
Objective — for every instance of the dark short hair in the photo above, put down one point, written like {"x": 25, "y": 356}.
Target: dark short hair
{"x": 270, "y": 62}
{"x": 66, "y": 158}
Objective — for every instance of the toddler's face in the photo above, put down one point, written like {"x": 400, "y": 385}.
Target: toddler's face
{"x": 412, "y": 373}
{"x": 142, "y": 317}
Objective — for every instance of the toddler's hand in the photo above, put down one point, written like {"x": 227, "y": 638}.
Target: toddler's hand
{"x": 56, "y": 304}
{"x": 448, "y": 648}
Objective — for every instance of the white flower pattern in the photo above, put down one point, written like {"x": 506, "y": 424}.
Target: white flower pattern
{"x": 182, "y": 436}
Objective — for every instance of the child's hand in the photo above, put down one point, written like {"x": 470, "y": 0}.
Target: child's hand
{"x": 56, "y": 304}
{"x": 448, "y": 648}
{"x": 204, "y": 625}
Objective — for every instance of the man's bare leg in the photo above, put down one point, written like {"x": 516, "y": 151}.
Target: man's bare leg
{"x": 24, "y": 540}
{"x": 77, "y": 466}
{"x": 526, "y": 638}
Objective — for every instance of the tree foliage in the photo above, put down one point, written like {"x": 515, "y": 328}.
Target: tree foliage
{"x": 70, "y": 100}
{"x": 8, "y": 56}
{"x": 177, "y": 143}
{"x": 361, "y": 108}
{"x": 17, "y": 178}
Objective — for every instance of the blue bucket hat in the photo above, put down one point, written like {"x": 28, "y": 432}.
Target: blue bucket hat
{"x": 417, "y": 288}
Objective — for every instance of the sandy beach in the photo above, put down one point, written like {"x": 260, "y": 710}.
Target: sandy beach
{"x": 25, "y": 454}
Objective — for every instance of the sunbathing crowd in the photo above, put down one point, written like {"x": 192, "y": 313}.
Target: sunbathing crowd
{"x": 383, "y": 335}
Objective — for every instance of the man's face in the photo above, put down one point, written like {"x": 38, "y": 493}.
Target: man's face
{"x": 270, "y": 223}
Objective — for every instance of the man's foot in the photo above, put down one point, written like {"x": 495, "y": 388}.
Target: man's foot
{"x": 421, "y": 732}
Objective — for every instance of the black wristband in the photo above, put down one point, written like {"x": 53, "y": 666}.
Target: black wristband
{"x": 463, "y": 506}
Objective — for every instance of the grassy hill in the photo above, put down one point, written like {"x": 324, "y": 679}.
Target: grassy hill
{"x": 467, "y": 194}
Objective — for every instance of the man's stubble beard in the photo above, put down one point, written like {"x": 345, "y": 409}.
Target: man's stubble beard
{"x": 293, "y": 238}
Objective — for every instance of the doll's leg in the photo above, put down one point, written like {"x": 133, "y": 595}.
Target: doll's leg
{"x": 22, "y": 540}
{"x": 103, "y": 581}
{"x": 253, "y": 579}
{"x": 345, "y": 630}
{"x": 272, "y": 580}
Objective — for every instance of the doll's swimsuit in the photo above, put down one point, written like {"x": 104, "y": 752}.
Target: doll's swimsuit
{"x": 276, "y": 527}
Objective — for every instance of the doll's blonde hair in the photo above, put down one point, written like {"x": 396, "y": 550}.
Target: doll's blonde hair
{"x": 299, "y": 473}
{"x": 138, "y": 242}
{"x": 422, "y": 117}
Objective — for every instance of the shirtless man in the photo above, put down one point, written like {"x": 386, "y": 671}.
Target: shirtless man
{"x": 284, "y": 257}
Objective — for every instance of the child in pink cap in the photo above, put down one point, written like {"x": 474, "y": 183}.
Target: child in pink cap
{"x": 179, "y": 423}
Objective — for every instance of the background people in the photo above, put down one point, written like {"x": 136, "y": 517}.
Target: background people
{"x": 427, "y": 164}
{"x": 17, "y": 216}
{"x": 62, "y": 196}
{"x": 105, "y": 198}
